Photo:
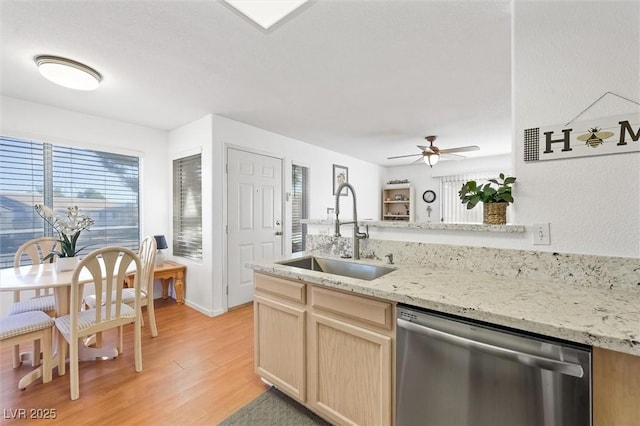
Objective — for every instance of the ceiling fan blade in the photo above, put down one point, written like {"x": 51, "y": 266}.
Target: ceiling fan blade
{"x": 453, "y": 156}
{"x": 417, "y": 161}
{"x": 460, "y": 149}
{"x": 402, "y": 156}
{"x": 428, "y": 149}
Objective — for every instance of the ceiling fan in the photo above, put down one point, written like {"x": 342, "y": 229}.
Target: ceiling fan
{"x": 431, "y": 154}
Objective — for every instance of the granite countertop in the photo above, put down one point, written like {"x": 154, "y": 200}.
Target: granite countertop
{"x": 608, "y": 318}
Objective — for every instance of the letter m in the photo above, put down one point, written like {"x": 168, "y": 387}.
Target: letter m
{"x": 624, "y": 128}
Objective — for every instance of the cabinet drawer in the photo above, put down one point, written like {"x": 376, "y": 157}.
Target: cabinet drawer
{"x": 360, "y": 308}
{"x": 290, "y": 290}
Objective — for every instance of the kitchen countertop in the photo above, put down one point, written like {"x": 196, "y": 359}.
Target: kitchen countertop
{"x": 608, "y": 318}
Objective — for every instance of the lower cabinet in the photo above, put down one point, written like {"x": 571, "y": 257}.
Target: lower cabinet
{"x": 280, "y": 345}
{"x": 616, "y": 388}
{"x": 333, "y": 351}
{"x": 350, "y": 372}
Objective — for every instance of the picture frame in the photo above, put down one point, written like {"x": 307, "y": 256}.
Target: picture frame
{"x": 340, "y": 174}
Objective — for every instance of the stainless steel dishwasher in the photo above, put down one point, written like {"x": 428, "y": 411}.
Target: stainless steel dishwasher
{"x": 451, "y": 371}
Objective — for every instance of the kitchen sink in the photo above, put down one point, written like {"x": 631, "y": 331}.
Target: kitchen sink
{"x": 344, "y": 268}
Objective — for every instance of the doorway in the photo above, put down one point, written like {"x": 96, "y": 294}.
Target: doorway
{"x": 254, "y": 218}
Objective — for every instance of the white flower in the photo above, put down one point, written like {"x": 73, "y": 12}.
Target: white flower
{"x": 68, "y": 228}
{"x": 45, "y": 211}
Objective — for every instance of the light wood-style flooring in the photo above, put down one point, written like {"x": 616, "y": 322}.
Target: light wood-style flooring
{"x": 198, "y": 371}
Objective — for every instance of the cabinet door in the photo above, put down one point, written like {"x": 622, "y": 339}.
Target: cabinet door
{"x": 279, "y": 345}
{"x": 350, "y": 372}
{"x": 616, "y": 388}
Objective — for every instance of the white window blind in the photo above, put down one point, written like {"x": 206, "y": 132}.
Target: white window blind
{"x": 299, "y": 207}
{"x": 187, "y": 207}
{"x": 21, "y": 187}
{"x": 453, "y": 211}
{"x": 104, "y": 186}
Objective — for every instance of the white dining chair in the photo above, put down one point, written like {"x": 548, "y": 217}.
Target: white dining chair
{"x": 32, "y": 252}
{"x": 25, "y": 327}
{"x": 109, "y": 312}
{"x": 144, "y": 279}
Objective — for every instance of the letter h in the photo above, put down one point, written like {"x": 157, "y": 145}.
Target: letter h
{"x": 566, "y": 140}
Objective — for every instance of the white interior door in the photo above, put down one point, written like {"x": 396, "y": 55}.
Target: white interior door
{"x": 254, "y": 218}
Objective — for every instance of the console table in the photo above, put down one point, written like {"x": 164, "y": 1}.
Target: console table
{"x": 169, "y": 270}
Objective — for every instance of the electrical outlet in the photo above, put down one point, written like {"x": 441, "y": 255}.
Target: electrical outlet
{"x": 541, "y": 234}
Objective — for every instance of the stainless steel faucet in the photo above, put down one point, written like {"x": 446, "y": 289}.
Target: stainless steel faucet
{"x": 357, "y": 235}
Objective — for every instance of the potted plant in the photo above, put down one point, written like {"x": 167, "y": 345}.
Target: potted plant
{"x": 68, "y": 229}
{"x": 495, "y": 199}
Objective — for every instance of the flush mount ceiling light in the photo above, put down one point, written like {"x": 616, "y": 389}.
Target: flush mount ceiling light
{"x": 67, "y": 72}
{"x": 265, "y": 12}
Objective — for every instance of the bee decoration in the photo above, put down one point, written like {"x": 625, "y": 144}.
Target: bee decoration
{"x": 594, "y": 137}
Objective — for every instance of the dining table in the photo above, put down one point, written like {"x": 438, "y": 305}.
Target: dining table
{"x": 45, "y": 275}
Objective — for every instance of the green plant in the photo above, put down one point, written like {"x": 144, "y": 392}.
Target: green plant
{"x": 68, "y": 229}
{"x": 471, "y": 193}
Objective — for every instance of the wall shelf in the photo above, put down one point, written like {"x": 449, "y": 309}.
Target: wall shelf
{"x": 439, "y": 226}
{"x": 394, "y": 209}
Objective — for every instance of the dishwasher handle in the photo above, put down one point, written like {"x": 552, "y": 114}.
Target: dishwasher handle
{"x": 556, "y": 366}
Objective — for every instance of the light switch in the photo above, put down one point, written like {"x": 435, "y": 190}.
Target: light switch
{"x": 541, "y": 234}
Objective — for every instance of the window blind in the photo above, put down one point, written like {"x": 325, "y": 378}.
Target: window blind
{"x": 299, "y": 207}
{"x": 104, "y": 186}
{"x": 21, "y": 187}
{"x": 187, "y": 207}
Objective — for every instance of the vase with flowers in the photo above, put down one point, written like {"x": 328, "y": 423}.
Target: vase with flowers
{"x": 68, "y": 228}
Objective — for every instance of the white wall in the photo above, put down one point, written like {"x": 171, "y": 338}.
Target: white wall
{"x": 561, "y": 66}
{"x": 193, "y": 138}
{"x": 214, "y": 134}
{"x": 27, "y": 120}
{"x": 423, "y": 178}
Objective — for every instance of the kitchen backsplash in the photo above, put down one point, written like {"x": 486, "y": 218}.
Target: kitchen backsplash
{"x": 587, "y": 270}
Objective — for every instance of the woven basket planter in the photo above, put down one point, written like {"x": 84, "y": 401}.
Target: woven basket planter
{"x": 495, "y": 213}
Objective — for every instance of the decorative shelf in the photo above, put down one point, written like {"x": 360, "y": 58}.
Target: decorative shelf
{"x": 394, "y": 209}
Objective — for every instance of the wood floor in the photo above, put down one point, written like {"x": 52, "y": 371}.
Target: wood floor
{"x": 197, "y": 371}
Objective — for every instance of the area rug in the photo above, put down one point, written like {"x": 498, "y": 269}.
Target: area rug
{"x": 273, "y": 408}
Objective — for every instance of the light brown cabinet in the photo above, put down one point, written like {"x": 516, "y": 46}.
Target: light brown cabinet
{"x": 350, "y": 355}
{"x": 279, "y": 334}
{"x": 347, "y": 350}
{"x": 616, "y": 388}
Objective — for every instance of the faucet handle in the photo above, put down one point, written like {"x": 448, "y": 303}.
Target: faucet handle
{"x": 390, "y": 257}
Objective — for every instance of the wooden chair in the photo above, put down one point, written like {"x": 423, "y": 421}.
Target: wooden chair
{"x": 144, "y": 279}
{"x": 32, "y": 251}
{"x": 25, "y": 327}
{"x": 110, "y": 311}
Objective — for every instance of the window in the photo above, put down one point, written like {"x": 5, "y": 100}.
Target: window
{"x": 187, "y": 207}
{"x": 453, "y": 211}
{"x": 299, "y": 207}
{"x": 105, "y": 186}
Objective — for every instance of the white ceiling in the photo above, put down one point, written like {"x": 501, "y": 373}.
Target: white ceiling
{"x": 366, "y": 78}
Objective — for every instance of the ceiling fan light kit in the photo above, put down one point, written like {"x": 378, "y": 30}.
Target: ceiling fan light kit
{"x": 431, "y": 159}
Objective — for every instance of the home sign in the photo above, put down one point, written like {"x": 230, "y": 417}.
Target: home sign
{"x": 601, "y": 136}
